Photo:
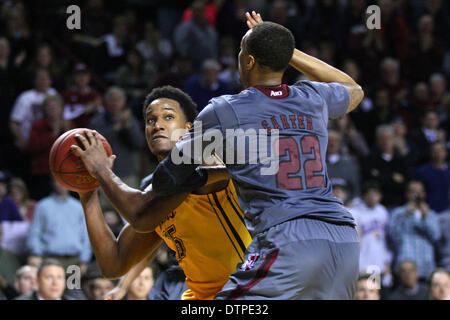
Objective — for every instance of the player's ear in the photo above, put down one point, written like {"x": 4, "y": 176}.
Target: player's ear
{"x": 188, "y": 125}
{"x": 251, "y": 62}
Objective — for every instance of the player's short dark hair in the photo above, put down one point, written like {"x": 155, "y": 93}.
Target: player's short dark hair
{"x": 188, "y": 106}
{"x": 271, "y": 44}
{"x": 49, "y": 262}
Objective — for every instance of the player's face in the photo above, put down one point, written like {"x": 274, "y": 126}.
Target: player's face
{"x": 165, "y": 124}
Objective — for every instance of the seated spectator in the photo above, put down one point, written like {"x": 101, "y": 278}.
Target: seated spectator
{"x": 402, "y": 145}
{"x": 387, "y": 167}
{"x": 439, "y": 285}
{"x": 58, "y": 231}
{"x": 123, "y": 133}
{"x": 392, "y": 82}
{"x": 98, "y": 287}
{"x": 429, "y": 133}
{"x": 51, "y": 283}
{"x": 230, "y": 72}
{"x": 206, "y": 85}
{"x": 9, "y": 263}
{"x": 136, "y": 76}
{"x": 18, "y": 191}
{"x": 141, "y": 286}
{"x": 436, "y": 177}
{"x": 414, "y": 230}
{"x": 444, "y": 242}
{"x": 195, "y": 38}
{"x": 8, "y": 208}
{"x": 440, "y": 97}
{"x": 340, "y": 165}
{"x": 43, "y": 134}
{"x": 28, "y": 107}
{"x": 371, "y": 219}
{"x": 409, "y": 287}
{"x": 340, "y": 191}
{"x": 367, "y": 288}
{"x": 25, "y": 283}
{"x": 82, "y": 102}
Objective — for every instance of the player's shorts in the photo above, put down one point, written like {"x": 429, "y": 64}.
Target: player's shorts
{"x": 298, "y": 259}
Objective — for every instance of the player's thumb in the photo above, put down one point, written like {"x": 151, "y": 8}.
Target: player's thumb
{"x": 112, "y": 158}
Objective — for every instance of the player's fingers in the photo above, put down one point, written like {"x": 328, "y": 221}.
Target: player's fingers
{"x": 250, "y": 20}
{"x": 77, "y": 150}
{"x": 82, "y": 140}
{"x": 97, "y": 138}
{"x": 89, "y": 137}
{"x": 112, "y": 158}
{"x": 258, "y": 18}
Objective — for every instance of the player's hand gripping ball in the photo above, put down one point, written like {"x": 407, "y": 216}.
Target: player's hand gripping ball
{"x": 67, "y": 167}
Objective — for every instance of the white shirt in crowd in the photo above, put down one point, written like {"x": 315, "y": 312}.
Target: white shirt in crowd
{"x": 372, "y": 226}
{"x": 28, "y": 108}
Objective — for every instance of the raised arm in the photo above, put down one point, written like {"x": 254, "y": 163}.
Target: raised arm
{"x": 115, "y": 256}
{"x": 317, "y": 70}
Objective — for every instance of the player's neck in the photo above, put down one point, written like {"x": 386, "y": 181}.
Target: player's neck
{"x": 161, "y": 156}
{"x": 269, "y": 79}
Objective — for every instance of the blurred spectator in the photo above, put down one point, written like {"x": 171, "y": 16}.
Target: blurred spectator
{"x": 43, "y": 134}
{"x": 169, "y": 285}
{"x": 9, "y": 78}
{"x": 58, "y": 231}
{"x": 114, "y": 221}
{"x": 440, "y": 97}
{"x": 402, "y": 145}
{"x": 123, "y": 133}
{"x": 210, "y": 12}
{"x": 444, "y": 243}
{"x": 381, "y": 113}
{"x": 353, "y": 142}
{"x": 154, "y": 48}
{"x": 82, "y": 102}
{"x": 51, "y": 280}
{"x": 230, "y": 72}
{"x": 8, "y": 208}
{"x": 392, "y": 82}
{"x": 340, "y": 191}
{"x": 194, "y": 38}
{"x": 206, "y": 85}
{"x": 428, "y": 133}
{"x": 367, "y": 288}
{"x": 440, "y": 285}
{"x": 372, "y": 219}
{"x": 409, "y": 287}
{"x": 231, "y": 18}
{"x": 9, "y": 263}
{"x": 414, "y": 230}
{"x": 25, "y": 283}
{"x": 17, "y": 30}
{"x": 111, "y": 54}
{"x": 141, "y": 286}
{"x": 436, "y": 177}
{"x": 340, "y": 165}
{"x": 136, "y": 76}
{"x": 425, "y": 51}
{"x": 19, "y": 193}
{"x": 387, "y": 167}
{"x": 98, "y": 287}
{"x": 177, "y": 75}
{"x": 28, "y": 107}
{"x": 44, "y": 58}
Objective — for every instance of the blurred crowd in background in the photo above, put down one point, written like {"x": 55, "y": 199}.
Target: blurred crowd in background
{"x": 388, "y": 160}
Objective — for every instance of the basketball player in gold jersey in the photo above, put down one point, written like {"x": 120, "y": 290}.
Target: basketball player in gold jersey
{"x": 206, "y": 231}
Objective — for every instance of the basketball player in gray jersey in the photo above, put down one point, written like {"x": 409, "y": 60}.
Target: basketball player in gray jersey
{"x": 305, "y": 245}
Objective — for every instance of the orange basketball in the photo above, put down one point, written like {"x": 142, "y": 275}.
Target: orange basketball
{"x": 67, "y": 168}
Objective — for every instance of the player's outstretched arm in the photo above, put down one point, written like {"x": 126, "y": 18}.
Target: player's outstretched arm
{"x": 317, "y": 70}
{"x": 115, "y": 256}
{"x": 144, "y": 210}
{"x": 122, "y": 287}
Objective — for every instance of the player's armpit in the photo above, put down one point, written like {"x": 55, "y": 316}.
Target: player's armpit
{"x": 356, "y": 94}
